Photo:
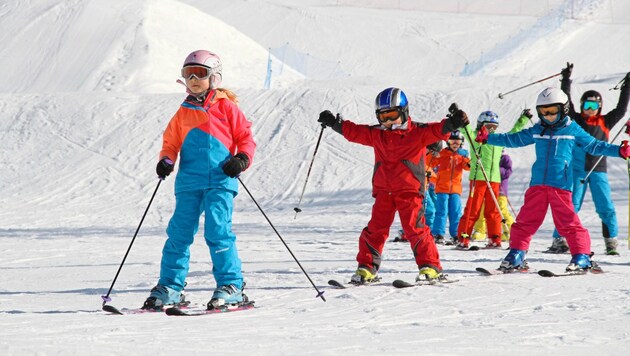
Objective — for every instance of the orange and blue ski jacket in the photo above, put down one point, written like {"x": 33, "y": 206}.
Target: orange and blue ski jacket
{"x": 206, "y": 135}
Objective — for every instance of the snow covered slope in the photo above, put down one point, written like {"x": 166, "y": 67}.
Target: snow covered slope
{"x": 88, "y": 87}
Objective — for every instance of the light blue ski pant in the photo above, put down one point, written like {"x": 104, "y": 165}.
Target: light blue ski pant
{"x": 217, "y": 205}
{"x": 447, "y": 205}
{"x": 429, "y": 205}
{"x": 602, "y": 198}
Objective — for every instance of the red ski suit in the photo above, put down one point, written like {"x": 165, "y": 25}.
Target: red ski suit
{"x": 398, "y": 184}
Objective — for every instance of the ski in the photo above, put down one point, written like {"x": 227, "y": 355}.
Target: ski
{"x": 337, "y": 284}
{"x": 471, "y": 248}
{"x": 496, "y": 272}
{"x": 124, "y": 311}
{"x": 487, "y": 272}
{"x": 399, "y": 283}
{"x": 175, "y": 311}
{"x": 547, "y": 273}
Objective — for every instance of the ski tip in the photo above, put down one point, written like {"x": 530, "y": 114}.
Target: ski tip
{"x": 335, "y": 283}
{"x": 111, "y": 309}
{"x": 482, "y": 270}
{"x": 545, "y": 273}
{"x": 399, "y": 283}
{"x": 175, "y": 311}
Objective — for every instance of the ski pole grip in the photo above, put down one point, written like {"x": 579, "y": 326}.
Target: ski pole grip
{"x": 453, "y": 108}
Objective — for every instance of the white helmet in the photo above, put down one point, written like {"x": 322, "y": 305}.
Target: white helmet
{"x": 553, "y": 96}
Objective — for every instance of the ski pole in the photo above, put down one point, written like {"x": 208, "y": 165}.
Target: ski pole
{"x": 583, "y": 180}
{"x": 308, "y": 173}
{"x": 106, "y": 298}
{"x": 501, "y": 95}
{"x": 511, "y": 207}
{"x": 452, "y": 109}
{"x": 320, "y": 294}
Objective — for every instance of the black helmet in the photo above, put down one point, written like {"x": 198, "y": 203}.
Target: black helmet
{"x": 591, "y": 95}
{"x": 456, "y": 135}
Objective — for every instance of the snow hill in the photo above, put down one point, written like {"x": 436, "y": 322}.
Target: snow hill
{"x": 88, "y": 87}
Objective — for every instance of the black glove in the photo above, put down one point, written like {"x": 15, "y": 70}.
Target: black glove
{"x": 566, "y": 72}
{"x": 527, "y": 113}
{"x": 457, "y": 119}
{"x": 235, "y": 165}
{"x": 327, "y": 118}
{"x": 429, "y": 173}
{"x": 164, "y": 167}
{"x": 626, "y": 81}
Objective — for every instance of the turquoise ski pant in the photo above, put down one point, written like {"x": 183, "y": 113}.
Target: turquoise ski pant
{"x": 602, "y": 198}
{"x": 217, "y": 205}
{"x": 447, "y": 205}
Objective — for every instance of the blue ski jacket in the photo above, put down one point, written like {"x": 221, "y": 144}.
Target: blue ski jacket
{"x": 554, "y": 150}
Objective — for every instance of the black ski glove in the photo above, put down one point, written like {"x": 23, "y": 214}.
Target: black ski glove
{"x": 235, "y": 165}
{"x": 164, "y": 167}
{"x": 626, "y": 81}
{"x": 457, "y": 119}
{"x": 527, "y": 113}
{"x": 566, "y": 72}
{"x": 327, "y": 118}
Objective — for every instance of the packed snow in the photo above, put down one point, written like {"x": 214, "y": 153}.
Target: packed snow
{"x": 88, "y": 87}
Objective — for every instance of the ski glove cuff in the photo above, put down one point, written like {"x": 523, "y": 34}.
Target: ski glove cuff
{"x": 624, "y": 150}
{"x": 235, "y": 165}
{"x": 164, "y": 167}
{"x": 457, "y": 120}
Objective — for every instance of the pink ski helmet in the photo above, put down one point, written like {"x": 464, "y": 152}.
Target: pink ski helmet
{"x": 209, "y": 60}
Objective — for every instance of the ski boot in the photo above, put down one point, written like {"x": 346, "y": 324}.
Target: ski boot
{"x": 494, "y": 242}
{"x": 463, "y": 243}
{"x": 439, "y": 240}
{"x": 162, "y": 296}
{"x": 401, "y": 237}
{"x": 363, "y": 276}
{"x": 228, "y": 295}
{"x": 514, "y": 261}
{"x": 580, "y": 262}
{"x": 429, "y": 275}
{"x": 559, "y": 245}
{"x": 611, "y": 246}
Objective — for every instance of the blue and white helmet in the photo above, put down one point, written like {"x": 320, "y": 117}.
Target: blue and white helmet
{"x": 392, "y": 99}
{"x": 488, "y": 117}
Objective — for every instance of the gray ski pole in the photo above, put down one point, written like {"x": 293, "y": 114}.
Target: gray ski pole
{"x": 583, "y": 180}
{"x": 308, "y": 173}
{"x": 106, "y": 298}
{"x": 501, "y": 95}
{"x": 320, "y": 294}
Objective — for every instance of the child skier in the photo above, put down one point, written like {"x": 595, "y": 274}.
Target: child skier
{"x": 591, "y": 119}
{"x": 555, "y": 137}
{"x": 398, "y": 181}
{"x": 479, "y": 193}
{"x": 505, "y": 166}
{"x": 453, "y": 161}
{"x": 215, "y": 144}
